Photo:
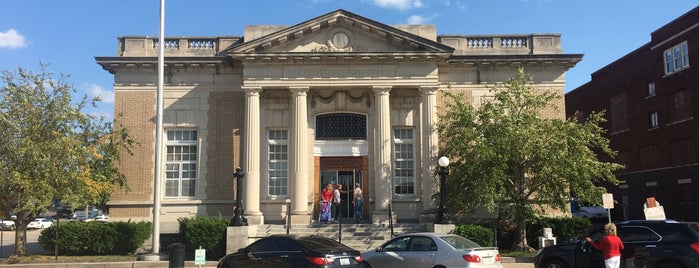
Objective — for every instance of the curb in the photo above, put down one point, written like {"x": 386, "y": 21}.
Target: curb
{"x": 517, "y": 260}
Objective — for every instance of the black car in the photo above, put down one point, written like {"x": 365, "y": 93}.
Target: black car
{"x": 650, "y": 244}
{"x": 294, "y": 251}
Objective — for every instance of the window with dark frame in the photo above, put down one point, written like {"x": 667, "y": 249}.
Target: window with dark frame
{"x": 341, "y": 126}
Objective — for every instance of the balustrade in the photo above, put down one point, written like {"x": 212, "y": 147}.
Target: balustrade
{"x": 169, "y": 43}
{"x": 202, "y": 44}
{"x": 513, "y": 42}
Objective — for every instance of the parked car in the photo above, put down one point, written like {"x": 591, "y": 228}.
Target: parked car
{"x": 100, "y": 218}
{"x": 81, "y": 216}
{"x": 426, "y": 250}
{"x": 40, "y": 223}
{"x": 293, "y": 251}
{"x": 665, "y": 244}
{"x": 7, "y": 224}
{"x": 591, "y": 212}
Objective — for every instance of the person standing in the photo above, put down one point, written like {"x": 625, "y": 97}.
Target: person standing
{"x": 358, "y": 202}
{"x": 325, "y": 197}
{"x": 610, "y": 245}
{"x": 337, "y": 199}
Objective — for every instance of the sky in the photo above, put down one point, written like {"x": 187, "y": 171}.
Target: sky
{"x": 68, "y": 34}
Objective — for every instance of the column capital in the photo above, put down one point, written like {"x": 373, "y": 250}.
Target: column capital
{"x": 429, "y": 89}
{"x": 251, "y": 90}
{"x": 381, "y": 89}
{"x": 299, "y": 90}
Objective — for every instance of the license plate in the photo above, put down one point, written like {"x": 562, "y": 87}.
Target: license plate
{"x": 344, "y": 261}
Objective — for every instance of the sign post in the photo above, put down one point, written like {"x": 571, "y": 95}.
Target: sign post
{"x": 200, "y": 256}
{"x": 608, "y": 203}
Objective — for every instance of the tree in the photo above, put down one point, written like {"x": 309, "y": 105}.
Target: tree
{"x": 506, "y": 155}
{"x": 50, "y": 149}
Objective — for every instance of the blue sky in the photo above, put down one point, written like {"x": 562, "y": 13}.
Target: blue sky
{"x": 68, "y": 34}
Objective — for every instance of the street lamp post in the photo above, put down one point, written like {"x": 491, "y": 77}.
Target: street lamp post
{"x": 238, "y": 219}
{"x": 442, "y": 216}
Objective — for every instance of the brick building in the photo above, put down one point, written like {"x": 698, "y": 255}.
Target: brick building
{"x": 338, "y": 99}
{"x": 651, "y": 100}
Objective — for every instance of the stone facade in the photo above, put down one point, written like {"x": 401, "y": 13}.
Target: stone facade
{"x": 339, "y": 98}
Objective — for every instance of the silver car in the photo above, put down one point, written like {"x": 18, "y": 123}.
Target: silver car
{"x": 427, "y": 250}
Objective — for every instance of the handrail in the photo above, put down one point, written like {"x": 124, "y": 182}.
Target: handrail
{"x": 390, "y": 220}
{"x": 288, "y": 217}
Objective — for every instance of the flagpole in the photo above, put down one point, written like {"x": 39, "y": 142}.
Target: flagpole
{"x": 159, "y": 133}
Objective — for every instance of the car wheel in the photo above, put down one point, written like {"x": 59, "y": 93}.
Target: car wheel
{"x": 366, "y": 265}
{"x": 555, "y": 264}
{"x": 670, "y": 264}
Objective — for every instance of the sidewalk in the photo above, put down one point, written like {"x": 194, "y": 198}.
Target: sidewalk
{"x": 134, "y": 264}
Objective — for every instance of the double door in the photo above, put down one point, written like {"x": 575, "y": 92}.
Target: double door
{"x": 346, "y": 178}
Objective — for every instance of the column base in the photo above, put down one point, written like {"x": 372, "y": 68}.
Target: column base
{"x": 256, "y": 219}
{"x": 300, "y": 219}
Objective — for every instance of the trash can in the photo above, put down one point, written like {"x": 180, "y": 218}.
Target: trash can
{"x": 177, "y": 252}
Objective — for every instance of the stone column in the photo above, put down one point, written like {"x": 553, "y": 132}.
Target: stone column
{"x": 430, "y": 149}
{"x": 251, "y": 157}
{"x": 383, "y": 171}
{"x": 298, "y": 156}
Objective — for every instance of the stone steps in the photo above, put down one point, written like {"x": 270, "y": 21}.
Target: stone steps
{"x": 362, "y": 237}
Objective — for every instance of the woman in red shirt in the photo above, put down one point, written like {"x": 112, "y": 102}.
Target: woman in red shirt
{"x": 610, "y": 245}
{"x": 325, "y": 196}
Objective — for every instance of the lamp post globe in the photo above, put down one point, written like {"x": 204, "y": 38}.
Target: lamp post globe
{"x": 442, "y": 216}
{"x": 238, "y": 219}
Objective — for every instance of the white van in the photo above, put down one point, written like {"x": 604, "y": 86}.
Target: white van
{"x": 80, "y": 214}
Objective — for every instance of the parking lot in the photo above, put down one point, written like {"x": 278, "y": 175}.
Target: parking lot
{"x": 8, "y": 243}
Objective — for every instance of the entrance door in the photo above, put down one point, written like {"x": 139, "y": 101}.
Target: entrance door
{"x": 346, "y": 178}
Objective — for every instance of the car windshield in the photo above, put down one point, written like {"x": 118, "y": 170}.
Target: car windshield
{"x": 459, "y": 242}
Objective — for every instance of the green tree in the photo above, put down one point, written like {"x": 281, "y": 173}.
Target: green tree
{"x": 50, "y": 148}
{"x": 506, "y": 155}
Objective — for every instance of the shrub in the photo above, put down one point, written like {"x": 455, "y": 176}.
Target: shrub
{"x": 482, "y": 235}
{"x": 94, "y": 238}
{"x": 206, "y": 232}
{"x": 564, "y": 229}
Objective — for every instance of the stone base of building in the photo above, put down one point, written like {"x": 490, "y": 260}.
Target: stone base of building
{"x": 237, "y": 237}
{"x": 301, "y": 219}
{"x": 440, "y": 228}
{"x": 381, "y": 217}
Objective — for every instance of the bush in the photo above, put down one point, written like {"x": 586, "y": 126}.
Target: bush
{"x": 564, "y": 229}
{"x": 206, "y": 232}
{"x": 482, "y": 235}
{"x": 95, "y": 238}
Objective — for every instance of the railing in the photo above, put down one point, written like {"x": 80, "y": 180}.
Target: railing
{"x": 390, "y": 221}
{"x": 503, "y": 44}
{"x": 174, "y": 46}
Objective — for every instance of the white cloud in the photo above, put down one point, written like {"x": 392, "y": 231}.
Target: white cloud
{"x": 417, "y": 19}
{"x": 12, "y": 39}
{"x": 93, "y": 90}
{"x": 399, "y": 4}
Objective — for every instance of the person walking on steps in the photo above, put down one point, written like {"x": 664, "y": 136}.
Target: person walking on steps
{"x": 358, "y": 203}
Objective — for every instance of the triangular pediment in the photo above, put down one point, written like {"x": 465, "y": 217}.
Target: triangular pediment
{"x": 338, "y": 32}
